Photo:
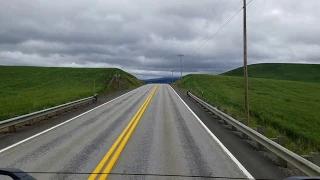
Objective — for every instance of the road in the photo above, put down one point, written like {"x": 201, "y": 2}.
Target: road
{"x": 149, "y": 130}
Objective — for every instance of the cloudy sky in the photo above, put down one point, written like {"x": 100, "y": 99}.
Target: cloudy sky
{"x": 144, "y": 37}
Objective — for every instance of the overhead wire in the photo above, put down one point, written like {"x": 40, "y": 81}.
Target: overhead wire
{"x": 249, "y": 2}
{"x": 215, "y": 7}
{"x": 224, "y": 5}
{"x": 234, "y": 9}
{"x": 224, "y": 25}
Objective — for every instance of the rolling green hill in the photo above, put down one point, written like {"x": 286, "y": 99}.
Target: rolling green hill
{"x": 292, "y": 72}
{"x": 28, "y": 89}
{"x": 284, "y": 107}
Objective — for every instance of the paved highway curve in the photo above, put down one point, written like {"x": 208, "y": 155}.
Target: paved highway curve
{"x": 149, "y": 130}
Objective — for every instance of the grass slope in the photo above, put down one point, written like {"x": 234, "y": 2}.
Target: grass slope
{"x": 28, "y": 89}
{"x": 283, "y": 107}
{"x": 293, "y": 72}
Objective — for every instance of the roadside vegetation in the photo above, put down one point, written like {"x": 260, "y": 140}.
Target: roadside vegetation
{"x": 281, "y": 71}
{"x": 283, "y": 107}
{"x": 27, "y": 89}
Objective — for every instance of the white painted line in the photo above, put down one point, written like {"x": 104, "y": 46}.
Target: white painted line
{"x": 54, "y": 127}
{"x": 234, "y": 159}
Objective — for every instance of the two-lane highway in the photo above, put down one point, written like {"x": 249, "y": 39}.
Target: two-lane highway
{"x": 148, "y": 131}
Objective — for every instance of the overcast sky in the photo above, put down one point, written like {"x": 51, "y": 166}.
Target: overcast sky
{"x": 144, "y": 37}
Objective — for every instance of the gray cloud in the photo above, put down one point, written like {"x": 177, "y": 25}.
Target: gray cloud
{"x": 144, "y": 37}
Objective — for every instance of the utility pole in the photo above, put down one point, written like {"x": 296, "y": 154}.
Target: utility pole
{"x": 94, "y": 85}
{"x": 172, "y": 77}
{"x": 245, "y": 70}
{"x": 117, "y": 76}
{"x": 181, "y": 55}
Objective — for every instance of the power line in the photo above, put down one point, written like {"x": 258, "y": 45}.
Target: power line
{"x": 218, "y": 30}
{"x": 234, "y": 9}
{"x": 249, "y": 3}
{"x": 181, "y": 55}
{"x": 215, "y": 7}
{"x": 210, "y": 20}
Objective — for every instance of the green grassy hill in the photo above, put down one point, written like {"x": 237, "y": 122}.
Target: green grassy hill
{"x": 28, "y": 89}
{"x": 293, "y": 72}
{"x": 284, "y": 107}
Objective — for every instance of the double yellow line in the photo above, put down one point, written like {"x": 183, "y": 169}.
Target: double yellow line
{"x": 122, "y": 139}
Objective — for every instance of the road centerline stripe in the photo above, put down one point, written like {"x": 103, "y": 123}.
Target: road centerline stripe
{"x": 123, "y": 143}
{"x": 123, "y": 133}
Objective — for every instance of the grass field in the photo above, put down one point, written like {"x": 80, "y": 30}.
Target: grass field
{"x": 27, "y": 89}
{"x": 284, "y": 107}
{"x": 281, "y": 71}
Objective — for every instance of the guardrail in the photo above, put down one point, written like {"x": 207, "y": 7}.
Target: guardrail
{"x": 297, "y": 161}
{"x": 44, "y": 114}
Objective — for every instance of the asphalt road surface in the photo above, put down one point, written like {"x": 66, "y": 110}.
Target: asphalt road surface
{"x": 148, "y": 133}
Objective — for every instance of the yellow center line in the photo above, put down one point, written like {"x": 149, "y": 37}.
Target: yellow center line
{"x": 113, "y": 147}
{"x": 123, "y": 143}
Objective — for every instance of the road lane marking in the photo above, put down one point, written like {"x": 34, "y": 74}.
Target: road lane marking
{"x": 56, "y": 126}
{"x": 123, "y": 143}
{"x": 234, "y": 159}
{"x": 133, "y": 121}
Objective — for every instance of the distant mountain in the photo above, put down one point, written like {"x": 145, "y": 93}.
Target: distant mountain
{"x": 160, "y": 80}
{"x": 281, "y": 71}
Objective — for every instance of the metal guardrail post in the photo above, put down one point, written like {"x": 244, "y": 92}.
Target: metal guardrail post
{"x": 307, "y": 157}
{"x": 12, "y": 128}
{"x": 243, "y": 134}
{"x": 260, "y": 130}
{"x": 315, "y": 158}
{"x": 282, "y": 142}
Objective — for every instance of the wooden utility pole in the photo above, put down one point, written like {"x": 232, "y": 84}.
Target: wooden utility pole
{"x": 245, "y": 70}
{"x": 94, "y": 85}
{"x": 172, "y": 77}
{"x": 117, "y": 76}
{"x": 181, "y": 55}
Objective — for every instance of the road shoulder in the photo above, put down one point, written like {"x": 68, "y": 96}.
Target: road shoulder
{"x": 252, "y": 160}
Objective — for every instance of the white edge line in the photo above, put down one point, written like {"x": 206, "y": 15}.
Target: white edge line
{"x": 54, "y": 127}
{"x": 234, "y": 159}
